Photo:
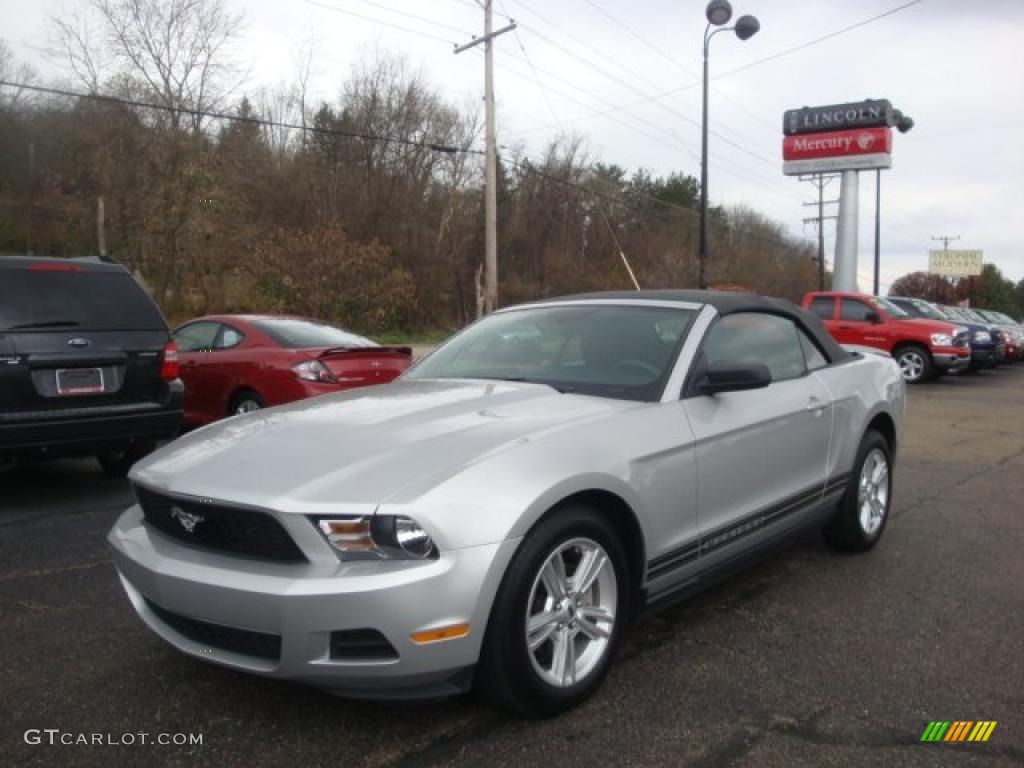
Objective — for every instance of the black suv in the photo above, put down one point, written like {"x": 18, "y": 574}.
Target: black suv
{"x": 87, "y": 365}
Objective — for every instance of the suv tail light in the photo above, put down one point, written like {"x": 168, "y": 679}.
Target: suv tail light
{"x": 169, "y": 364}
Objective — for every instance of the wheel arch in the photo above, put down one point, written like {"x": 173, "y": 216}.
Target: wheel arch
{"x": 237, "y": 392}
{"x": 618, "y": 512}
{"x": 885, "y": 425}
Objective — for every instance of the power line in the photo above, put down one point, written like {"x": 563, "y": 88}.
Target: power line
{"x": 801, "y": 46}
{"x": 536, "y": 77}
{"x": 817, "y": 40}
{"x": 383, "y": 23}
{"x": 436, "y": 147}
{"x": 406, "y": 14}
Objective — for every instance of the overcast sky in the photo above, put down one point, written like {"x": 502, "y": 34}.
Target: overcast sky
{"x": 954, "y": 66}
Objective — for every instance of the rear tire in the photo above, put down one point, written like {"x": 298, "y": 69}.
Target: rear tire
{"x": 116, "y": 464}
{"x": 864, "y": 509}
{"x": 574, "y": 627}
{"x": 915, "y": 363}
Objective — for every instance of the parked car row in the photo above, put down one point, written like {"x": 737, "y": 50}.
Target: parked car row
{"x": 89, "y": 367}
{"x": 926, "y": 340}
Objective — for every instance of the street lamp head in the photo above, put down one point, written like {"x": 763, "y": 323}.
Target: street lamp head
{"x": 902, "y": 122}
{"x": 718, "y": 12}
{"x": 747, "y": 27}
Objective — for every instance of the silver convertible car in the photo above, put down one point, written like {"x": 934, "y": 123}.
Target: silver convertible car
{"x": 504, "y": 510}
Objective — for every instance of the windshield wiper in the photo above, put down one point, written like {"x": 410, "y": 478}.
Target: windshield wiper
{"x": 46, "y": 324}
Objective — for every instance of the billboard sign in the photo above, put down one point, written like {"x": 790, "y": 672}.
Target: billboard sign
{"x": 857, "y": 150}
{"x": 870, "y": 113}
{"x": 955, "y": 263}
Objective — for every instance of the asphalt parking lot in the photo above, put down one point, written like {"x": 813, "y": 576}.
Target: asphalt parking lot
{"x": 810, "y": 658}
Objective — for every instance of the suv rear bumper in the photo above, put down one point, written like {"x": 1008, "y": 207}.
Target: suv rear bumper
{"x": 94, "y": 430}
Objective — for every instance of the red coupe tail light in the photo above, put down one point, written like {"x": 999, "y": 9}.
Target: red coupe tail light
{"x": 169, "y": 364}
{"x": 313, "y": 370}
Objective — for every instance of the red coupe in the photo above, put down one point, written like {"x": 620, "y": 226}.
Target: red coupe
{"x": 240, "y": 363}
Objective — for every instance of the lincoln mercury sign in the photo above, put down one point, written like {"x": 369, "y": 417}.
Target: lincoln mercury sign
{"x": 861, "y": 149}
{"x": 872, "y": 113}
{"x": 955, "y": 263}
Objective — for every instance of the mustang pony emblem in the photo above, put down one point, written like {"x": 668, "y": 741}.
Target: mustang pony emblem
{"x": 187, "y": 519}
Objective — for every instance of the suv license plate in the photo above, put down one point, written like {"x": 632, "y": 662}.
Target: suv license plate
{"x": 79, "y": 381}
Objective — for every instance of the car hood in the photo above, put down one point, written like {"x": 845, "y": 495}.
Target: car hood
{"x": 364, "y": 446}
{"x": 933, "y": 326}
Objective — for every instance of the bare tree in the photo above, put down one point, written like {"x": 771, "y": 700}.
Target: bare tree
{"x": 175, "y": 52}
{"x": 11, "y": 71}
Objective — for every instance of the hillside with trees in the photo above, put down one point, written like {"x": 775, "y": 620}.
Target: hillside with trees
{"x": 324, "y": 217}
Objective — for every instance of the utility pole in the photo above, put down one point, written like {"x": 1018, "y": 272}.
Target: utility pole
{"x": 491, "y": 164}
{"x": 946, "y": 240}
{"x": 820, "y": 181}
{"x": 31, "y": 196}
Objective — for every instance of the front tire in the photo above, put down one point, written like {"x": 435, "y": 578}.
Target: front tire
{"x": 864, "y": 509}
{"x": 559, "y": 615}
{"x": 915, "y": 363}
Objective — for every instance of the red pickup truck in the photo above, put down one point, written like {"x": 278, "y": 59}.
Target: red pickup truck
{"x": 923, "y": 348}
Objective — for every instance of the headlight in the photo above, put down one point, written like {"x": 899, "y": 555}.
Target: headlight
{"x": 380, "y": 537}
{"x": 982, "y": 337}
{"x": 942, "y": 340}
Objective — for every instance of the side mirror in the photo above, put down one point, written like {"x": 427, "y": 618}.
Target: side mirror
{"x": 873, "y": 317}
{"x": 734, "y": 378}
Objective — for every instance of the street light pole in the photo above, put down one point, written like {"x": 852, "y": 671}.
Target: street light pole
{"x": 718, "y": 13}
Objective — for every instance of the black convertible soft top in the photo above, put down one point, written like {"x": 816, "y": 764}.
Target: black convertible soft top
{"x": 728, "y": 303}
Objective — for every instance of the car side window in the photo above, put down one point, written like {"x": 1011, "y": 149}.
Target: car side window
{"x": 854, "y": 310}
{"x": 748, "y": 338}
{"x": 229, "y": 337}
{"x": 196, "y": 337}
{"x": 815, "y": 359}
{"x": 822, "y": 306}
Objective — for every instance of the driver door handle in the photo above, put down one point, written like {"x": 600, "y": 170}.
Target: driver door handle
{"x": 815, "y": 406}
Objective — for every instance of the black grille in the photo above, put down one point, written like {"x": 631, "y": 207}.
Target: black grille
{"x": 246, "y": 532}
{"x": 363, "y": 644}
{"x": 243, "y": 641}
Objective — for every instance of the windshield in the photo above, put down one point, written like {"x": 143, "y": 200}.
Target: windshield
{"x": 296, "y": 333}
{"x": 927, "y": 310}
{"x": 33, "y": 300}
{"x": 890, "y": 309}
{"x": 616, "y": 351}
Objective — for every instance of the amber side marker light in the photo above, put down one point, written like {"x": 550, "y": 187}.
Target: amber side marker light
{"x": 450, "y": 632}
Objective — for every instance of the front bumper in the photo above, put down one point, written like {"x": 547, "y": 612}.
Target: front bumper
{"x": 303, "y": 604}
{"x": 951, "y": 359}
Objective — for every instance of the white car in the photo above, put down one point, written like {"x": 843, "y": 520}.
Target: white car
{"x": 503, "y": 511}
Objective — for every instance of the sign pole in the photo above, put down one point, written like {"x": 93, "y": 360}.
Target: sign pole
{"x": 878, "y": 228}
{"x": 845, "y": 277}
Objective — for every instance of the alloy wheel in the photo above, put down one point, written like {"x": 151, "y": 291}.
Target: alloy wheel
{"x": 571, "y": 612}
{"x": 873, "y": 491}
{"x": 247, "y": 406}
{"x": 912, "y": 365}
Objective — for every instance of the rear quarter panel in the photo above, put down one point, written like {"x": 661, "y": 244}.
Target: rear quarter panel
{"x": 861, "y": 388}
